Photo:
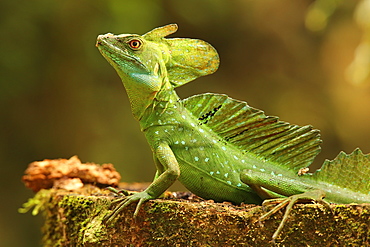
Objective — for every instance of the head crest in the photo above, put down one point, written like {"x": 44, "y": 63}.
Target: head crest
{"x": 190, "y": 58}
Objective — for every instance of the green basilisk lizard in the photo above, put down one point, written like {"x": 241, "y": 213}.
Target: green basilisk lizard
{"x": 217, "y": 147}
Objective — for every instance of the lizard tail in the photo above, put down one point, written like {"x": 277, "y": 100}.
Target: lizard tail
{"x": 350, "y": 171}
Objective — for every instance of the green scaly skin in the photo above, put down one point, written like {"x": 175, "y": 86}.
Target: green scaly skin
{"x": 217, "y": 147}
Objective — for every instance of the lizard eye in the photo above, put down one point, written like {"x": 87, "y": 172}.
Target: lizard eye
{"x": 135, "y": 44}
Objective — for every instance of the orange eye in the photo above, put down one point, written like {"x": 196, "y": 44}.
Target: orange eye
{"x": 135, "y": 44}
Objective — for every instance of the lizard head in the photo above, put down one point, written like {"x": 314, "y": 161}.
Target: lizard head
{"x": 149, "y": 63}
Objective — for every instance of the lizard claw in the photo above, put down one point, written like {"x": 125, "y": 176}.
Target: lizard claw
{"x": 118, "y": 192}
{"x": 316, "y": 195}
{"x": 141, "y": 197}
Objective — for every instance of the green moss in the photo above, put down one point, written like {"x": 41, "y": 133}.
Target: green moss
{"x": 78, "y": 216}
{"x": 37, "y": 202}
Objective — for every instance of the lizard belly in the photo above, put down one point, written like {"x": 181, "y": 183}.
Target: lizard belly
{"x": 211, "y": 177}
{"x": 208, "y": 168}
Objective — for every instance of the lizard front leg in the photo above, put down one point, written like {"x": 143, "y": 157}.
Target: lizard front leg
{"x": 168, "y": 171}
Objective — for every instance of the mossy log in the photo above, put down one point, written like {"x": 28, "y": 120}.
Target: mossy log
{"x": 75, "y": 219}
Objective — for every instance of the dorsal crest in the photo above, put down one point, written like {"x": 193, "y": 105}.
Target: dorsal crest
{"x": 251, "y": 131}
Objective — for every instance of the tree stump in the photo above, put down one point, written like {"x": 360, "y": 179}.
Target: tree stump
{"x": 76, "y": 219}
{"x": 74, "y": 209}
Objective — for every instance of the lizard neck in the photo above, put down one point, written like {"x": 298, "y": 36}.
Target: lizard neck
{"x": 146, "y": 91}
{"x": 153, "y": 115}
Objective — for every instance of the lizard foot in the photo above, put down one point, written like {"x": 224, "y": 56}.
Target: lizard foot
{"x": 118, "y": 192}
{"x": 309, "y": 196}
{"x": 141, "y": 197}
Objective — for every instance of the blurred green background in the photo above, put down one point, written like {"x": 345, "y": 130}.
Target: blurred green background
{"x": 305, "y": 61}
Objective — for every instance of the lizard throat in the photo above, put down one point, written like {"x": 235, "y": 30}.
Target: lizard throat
{"x": 159, "y": 112}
